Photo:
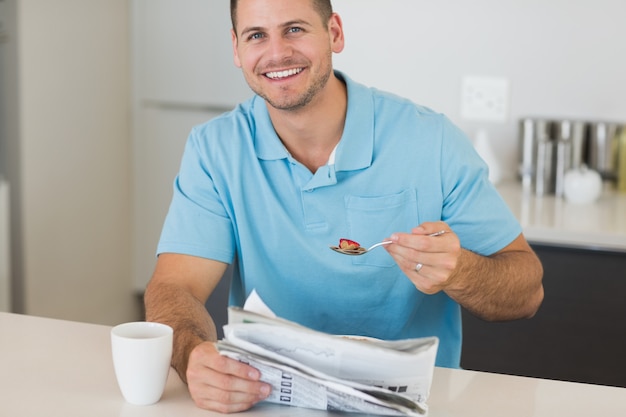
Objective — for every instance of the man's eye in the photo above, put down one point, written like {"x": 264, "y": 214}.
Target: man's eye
{"x": 254, "y": 36}
{"x": 294, "y": 30}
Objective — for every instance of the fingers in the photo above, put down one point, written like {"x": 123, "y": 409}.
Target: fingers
{"x": 428, "y": 261}
{"x": 424, "y": 241}
{"x": 428, "y": 274}
{"x": 223, "y": 384}
{"x": 429, "y": 228}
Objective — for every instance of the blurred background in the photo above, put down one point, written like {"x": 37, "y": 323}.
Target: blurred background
{"x": 98, "y": 96}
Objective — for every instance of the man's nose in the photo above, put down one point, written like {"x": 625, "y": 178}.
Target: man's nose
{"x": 279, "y": 48}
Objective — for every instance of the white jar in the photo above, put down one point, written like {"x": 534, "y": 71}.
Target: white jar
{"x": 582, "y": 186}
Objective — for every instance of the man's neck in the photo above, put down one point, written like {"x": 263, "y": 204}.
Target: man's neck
{"x": 310, "y": 134}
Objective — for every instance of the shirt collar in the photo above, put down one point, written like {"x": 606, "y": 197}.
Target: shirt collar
{"x": 355, "y": 149}
{"x": 266, "y": 142}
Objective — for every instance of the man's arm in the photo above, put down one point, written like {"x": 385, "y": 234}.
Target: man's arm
{"x": 175, "y": 296}
{"x": 504, "y": 286}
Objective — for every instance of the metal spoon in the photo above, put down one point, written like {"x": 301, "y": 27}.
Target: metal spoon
{"x": 361, "y": 250}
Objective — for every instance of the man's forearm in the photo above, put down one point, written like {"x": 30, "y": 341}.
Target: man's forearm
{"x": 504, "y": 286}
{"x": 192, "y": 324}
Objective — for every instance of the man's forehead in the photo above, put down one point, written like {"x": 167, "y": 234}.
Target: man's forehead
{"x": 268, "y": 13}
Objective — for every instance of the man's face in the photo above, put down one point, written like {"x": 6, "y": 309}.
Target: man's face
{"x": 285, "y": 50}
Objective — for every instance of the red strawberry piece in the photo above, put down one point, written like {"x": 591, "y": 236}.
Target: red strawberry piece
{"x": 348, "y": 244}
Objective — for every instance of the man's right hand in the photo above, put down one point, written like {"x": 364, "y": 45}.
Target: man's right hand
{"x": 223, "y": 384}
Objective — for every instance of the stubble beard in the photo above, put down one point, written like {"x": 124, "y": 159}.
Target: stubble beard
{"x": 290, "y": 102}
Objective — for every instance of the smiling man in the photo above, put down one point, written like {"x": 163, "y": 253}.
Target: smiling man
{"x": 311, "y": 158}
{"x": 289, "y": 64}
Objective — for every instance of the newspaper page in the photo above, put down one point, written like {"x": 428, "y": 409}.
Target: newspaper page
{"x": 312, "y": 369}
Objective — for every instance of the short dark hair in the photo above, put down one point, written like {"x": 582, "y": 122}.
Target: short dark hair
{"x": 324, "y": 9}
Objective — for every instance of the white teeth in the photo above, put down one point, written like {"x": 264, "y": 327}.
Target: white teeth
{"x": 282, "y": 74}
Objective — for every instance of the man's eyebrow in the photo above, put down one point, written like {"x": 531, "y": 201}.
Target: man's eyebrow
{"x": 290, "y": 23}
{"x": 296, "y": 22}
{"x": 252, "y": 29}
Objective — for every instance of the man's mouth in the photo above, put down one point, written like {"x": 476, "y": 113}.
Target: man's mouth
{"x": 277, "y": 75}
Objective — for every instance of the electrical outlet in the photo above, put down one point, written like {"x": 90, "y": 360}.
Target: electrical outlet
{"x": 485, "y": 99}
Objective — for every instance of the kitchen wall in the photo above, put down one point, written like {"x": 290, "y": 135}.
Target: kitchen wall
{"x": 66, "y": 73}
{"x": 562, "y": 58}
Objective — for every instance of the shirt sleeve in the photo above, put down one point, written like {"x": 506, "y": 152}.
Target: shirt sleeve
{"x": 472, "y": 206}
{"x": 197, "y": 223}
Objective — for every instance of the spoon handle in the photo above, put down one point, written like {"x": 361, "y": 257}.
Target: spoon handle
{"x": 384, "y": 242}
{"x": 441, "y": 232}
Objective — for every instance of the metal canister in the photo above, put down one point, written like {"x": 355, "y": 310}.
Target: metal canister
{"x": 603, "y": 149}
{"x": 526, "y": 151}
{"x": 621, "y": 162}
{"x": 545, "y": 168}
{"x": 575, "y": 132}
{"x": 531, "y": 132}
{"x": 570, "y": 137}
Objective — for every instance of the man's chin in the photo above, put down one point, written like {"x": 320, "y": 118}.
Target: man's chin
{"x": 287, "y": 104}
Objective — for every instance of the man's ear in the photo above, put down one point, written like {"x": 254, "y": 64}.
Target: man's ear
{"x": 235, "y": 41}
{"x": 335, "y": 29}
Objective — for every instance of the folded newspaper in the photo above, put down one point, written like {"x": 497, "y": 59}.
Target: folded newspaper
{"x": 312, "y": 369}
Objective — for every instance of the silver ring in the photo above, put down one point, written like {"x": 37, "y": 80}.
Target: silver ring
{"x": 418, "y": 267}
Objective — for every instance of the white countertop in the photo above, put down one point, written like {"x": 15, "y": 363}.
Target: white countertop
{"x": 59, "y": 368}
{"x": 554, "y": 221}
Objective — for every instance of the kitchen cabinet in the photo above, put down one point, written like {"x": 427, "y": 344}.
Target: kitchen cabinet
{"x": 579, "y": 333}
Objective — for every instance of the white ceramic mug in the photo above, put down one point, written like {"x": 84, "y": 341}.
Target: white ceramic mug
{"x": 142, "y": 352}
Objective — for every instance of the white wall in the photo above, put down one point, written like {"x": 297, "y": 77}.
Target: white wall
{"x": 563, "y": 58}
{"x": 73, "y": 159}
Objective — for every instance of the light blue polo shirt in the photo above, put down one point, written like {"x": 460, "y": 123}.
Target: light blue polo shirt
{"x": 397, "y": 165}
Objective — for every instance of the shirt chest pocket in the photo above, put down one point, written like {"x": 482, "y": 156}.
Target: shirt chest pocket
{"x": 374, "y": 218}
